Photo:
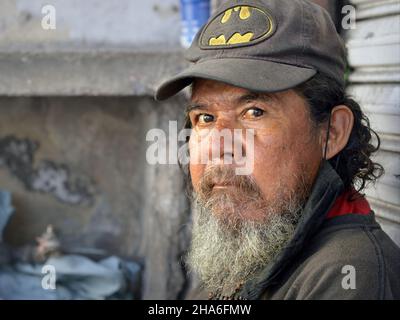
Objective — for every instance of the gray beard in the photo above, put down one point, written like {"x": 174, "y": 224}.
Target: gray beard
{"x": 226, "y": 256}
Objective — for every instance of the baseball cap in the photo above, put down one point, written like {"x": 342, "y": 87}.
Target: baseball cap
{"x": 263, "y": 46}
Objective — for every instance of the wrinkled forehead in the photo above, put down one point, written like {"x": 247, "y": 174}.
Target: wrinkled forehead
{"x": 208, "y": 91}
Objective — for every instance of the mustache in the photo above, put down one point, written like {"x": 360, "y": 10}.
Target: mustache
{"x": 225, "y": 176}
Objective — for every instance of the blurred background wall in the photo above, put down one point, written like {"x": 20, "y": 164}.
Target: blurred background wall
{"x": 76, "y": 104}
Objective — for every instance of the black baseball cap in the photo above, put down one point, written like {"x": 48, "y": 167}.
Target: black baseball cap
{"x": 263, "y": 46}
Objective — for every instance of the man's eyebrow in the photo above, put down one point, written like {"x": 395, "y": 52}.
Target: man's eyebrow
{"x": 247, "y": 97}
{"x": 195, "y": 106}
{"x": 252, "y": 96}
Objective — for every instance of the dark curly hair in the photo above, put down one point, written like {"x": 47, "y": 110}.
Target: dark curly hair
{"x": 353, "y": 164}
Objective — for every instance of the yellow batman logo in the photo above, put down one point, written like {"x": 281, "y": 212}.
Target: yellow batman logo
{"x": 237, "y": 26}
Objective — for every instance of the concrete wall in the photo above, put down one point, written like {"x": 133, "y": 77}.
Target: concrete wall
{"x": 90, "y": 23}
{"x": 97, "y": 47}
{"x": 75, "y": 106}
{"x": 79, "y": 164}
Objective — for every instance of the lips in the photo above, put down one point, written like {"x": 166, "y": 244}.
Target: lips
{"x": 221, "y": 185}
{"x": 216, "y": 186}
{"x": 222, "y": 179}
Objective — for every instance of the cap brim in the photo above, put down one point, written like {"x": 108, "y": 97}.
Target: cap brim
{"x": 250, "y": 74}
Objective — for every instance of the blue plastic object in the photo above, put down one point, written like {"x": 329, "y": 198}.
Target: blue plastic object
{"x": 194, "y": 14}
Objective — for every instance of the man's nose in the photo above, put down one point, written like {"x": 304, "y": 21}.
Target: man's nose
{"x": 223, "y": 144}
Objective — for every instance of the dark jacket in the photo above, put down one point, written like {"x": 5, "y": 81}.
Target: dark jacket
{"x": 334, "y": 254}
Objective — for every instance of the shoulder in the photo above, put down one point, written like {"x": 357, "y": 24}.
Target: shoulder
{"x": 349, "y": 259}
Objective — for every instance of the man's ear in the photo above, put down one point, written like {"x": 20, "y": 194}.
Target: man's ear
{"x": 342, "y": 121}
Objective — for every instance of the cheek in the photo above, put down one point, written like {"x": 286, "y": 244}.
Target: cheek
{"x": 270, "y": 146}
{"x": 195, "y": 167}
{"x": 271, "y": 160}
{"x": 281, "y": 156}
{"x": 196, "y": 172}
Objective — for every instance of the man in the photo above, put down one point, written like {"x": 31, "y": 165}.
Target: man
{"x": 296, "y": 227}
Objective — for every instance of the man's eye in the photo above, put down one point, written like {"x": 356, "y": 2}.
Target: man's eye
{"x": 254, "y": 112}
{"x": 205, "y": 118}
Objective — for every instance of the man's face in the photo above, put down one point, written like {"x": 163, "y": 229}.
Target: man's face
{"x": 242, "y": 222}
{"x": 286, "y": 146}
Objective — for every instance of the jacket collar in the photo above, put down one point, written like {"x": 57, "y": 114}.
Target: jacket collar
{"x": 327, "y": 187}
{"x": 342, "y": 206}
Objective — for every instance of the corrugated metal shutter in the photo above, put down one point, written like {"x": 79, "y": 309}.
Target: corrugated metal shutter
{"x": 374, "y": 52}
